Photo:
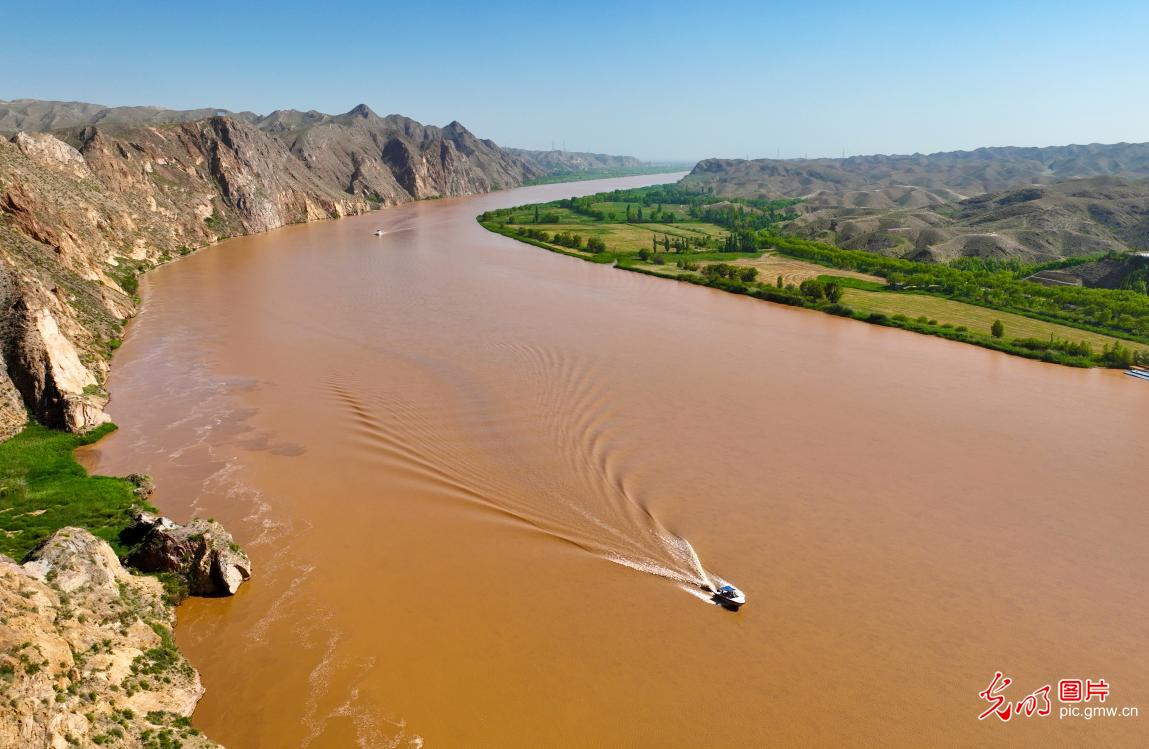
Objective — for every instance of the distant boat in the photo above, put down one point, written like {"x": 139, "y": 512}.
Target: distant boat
{"x": 379, "y": 232}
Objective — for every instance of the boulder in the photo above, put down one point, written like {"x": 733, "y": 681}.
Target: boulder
{"x": 202, "y": 552}
{"x": 143, "y": 484}
{"x": 76, "y": 560}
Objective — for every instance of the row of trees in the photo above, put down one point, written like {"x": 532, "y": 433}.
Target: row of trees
{"x": 1121, "y": 312}
{"x": 675, "y": 243}
{"x": 741, "y": 273}
{"x": 563, "y": 239}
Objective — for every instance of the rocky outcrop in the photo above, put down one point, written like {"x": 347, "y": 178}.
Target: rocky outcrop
{"x": 86, "y": 653}
{"x": 202, "y": 552}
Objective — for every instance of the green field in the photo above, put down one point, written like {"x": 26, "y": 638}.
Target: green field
{"x": 976, "y": 319}
{"x": 632, "y": 237}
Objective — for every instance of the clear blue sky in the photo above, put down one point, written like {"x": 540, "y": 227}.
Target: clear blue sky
{"x": 656, "y": 80}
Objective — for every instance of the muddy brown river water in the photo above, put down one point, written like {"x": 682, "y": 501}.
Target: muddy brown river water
{"x": 473, "y": 476}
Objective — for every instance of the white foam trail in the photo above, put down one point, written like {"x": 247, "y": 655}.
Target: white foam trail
{"x": 699, "y": 594}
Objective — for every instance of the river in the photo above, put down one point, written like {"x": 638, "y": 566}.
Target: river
{"x": 473, "y": 477}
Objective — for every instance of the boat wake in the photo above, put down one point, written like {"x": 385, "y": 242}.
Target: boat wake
{"x": 550, "y": 459}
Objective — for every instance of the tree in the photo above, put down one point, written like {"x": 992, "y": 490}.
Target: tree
{"x": 833, "y": 292}
{"x": 1118, "y": 356}
{"x": 780, "y": 282}
{"x": 997, "y": 330}
{"x": 536, "y": 214}
{"x": 812, "y": 288}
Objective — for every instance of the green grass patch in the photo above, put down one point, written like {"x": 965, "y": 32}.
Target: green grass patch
{"x": 43, "y": 488}
{"x": 973, "y": 317}
{"x": 126, "y": 273}
{"x": 853, "y": 283}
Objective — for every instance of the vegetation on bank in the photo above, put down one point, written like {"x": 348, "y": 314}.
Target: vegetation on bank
{"x": 671, "y": 232}
{"x": 43, "y": 488}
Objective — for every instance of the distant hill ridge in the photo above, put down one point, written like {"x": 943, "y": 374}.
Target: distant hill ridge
{"x": 954, "y": 173}
{"x": 296, "y": 129}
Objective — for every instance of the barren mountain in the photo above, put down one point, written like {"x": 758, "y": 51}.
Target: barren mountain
{"x": 1037, "y": 223}
{"x": 1036, "y": 203}
{"x": 393, "y": 159}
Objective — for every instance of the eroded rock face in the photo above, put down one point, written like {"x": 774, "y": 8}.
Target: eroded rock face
{"x": 202, "y": 551}
{"x": 86, "y": 653}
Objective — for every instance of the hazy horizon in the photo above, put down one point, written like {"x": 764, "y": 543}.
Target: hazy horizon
{"x": 663, "y": 82}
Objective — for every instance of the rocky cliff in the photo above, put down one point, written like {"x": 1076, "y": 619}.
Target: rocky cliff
{"x": 86, "y": 653}
{"x": 110, "y": 193}
{"x": 395, "y": 159}
{"x": 83, "y": 212}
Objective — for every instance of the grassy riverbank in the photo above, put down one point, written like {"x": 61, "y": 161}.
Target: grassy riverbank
{"x": 43, "y": 488}
{"x": 738, "y": 246}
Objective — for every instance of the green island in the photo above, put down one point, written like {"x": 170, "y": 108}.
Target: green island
{"x": 739, "y": 245}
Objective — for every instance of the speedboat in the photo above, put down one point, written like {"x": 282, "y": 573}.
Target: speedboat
{"x": 729, "y": 596}
{"x": 379, "y": 232}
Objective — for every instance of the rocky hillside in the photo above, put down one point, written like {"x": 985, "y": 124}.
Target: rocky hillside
{"x": 112, "y": 192}
{"x": 1036, "y": 223}
{"x": 1039, "y": 204}
{"x": 86, "y": 653}
{"x": 394, "y": 159}
{"x": 573, "y": 162}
